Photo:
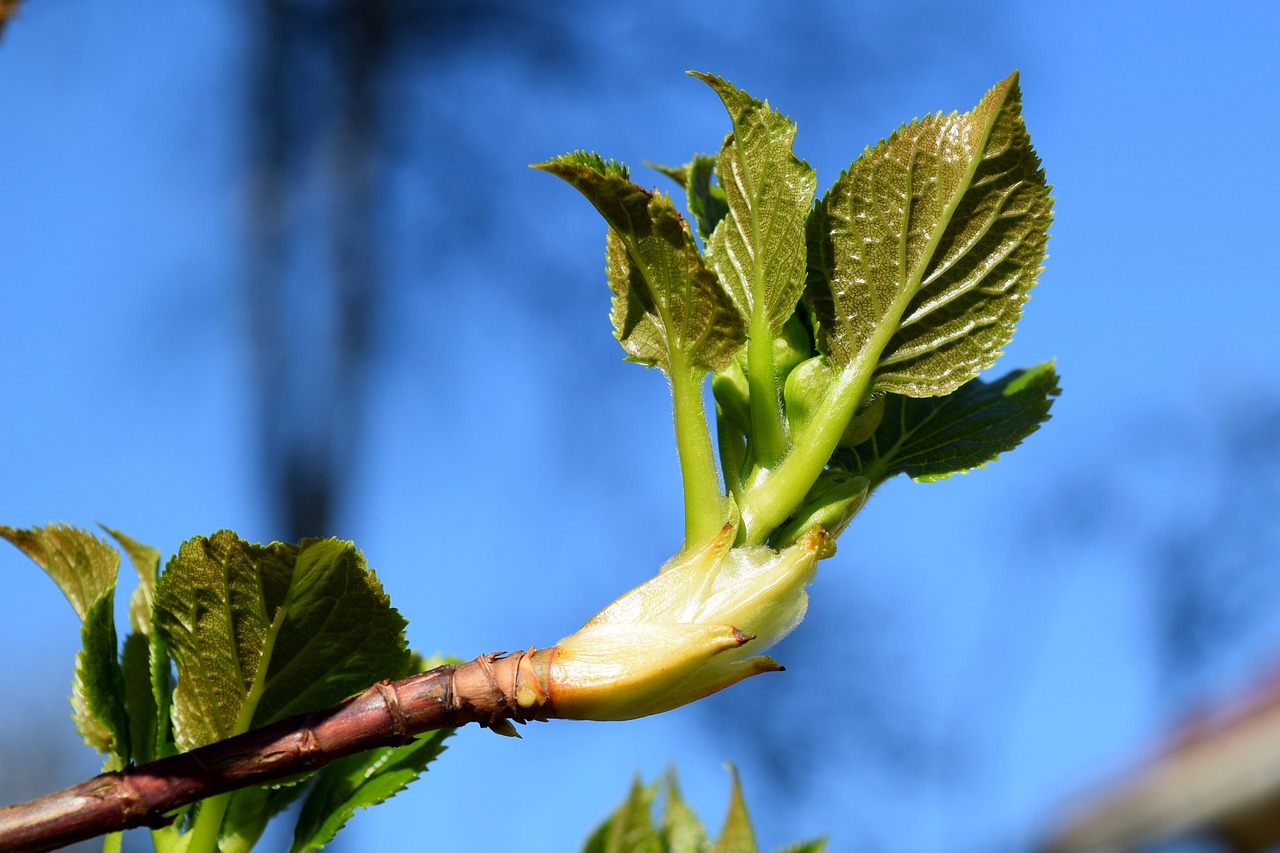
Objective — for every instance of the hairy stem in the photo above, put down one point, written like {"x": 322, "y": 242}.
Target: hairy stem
{"x": 704, "y": 511}
{"x": 486, "y": 690}
{"x": 770, "y": 500}
{"x": 767, "y": 440}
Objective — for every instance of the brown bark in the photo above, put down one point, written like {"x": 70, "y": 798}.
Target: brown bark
{"x": 490, "y": 690}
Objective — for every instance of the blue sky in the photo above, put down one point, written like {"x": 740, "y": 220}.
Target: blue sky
{"x": 1005, "y": 617}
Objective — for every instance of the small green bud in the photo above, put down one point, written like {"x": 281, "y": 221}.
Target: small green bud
{"x": 864, "y": 422}
{"x": 733, "y": 396}
{"x": 830, "y": 504}
{"x": 803, "y": 391}
{"x": 791, "y": 347}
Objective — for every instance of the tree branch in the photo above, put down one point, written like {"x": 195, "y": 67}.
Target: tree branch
{"x": 489, "y": 690}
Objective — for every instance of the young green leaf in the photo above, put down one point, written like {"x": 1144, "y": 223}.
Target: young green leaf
{"x": 707, "y": 201}
{"x": 85, "y": 567}
{"x": 933, "y": 438}
{"x": 98, "y": 689}
{"x": 736, "y": 836}
{"x": 359, "y": 781}
{"x": 923, "y": 252}
{"x": 262, "y": 632}
{"x": 816, "y": 845}
{"x": 681, "y": 829}
{"x": 139, "y": 699}
{"x": 667, "y": 307}
{"x": 146, "y": 561}
{"x": 630, "y": 829}
{"x": 758, "y": 249}
{"x": 82, "y": 565}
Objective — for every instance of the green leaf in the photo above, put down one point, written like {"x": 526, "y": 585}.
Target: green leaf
{"x": 668, "y": 308}
{"x": 140, "y": 700}
{"x": 923, "y": 252}
{"x": 98, "y": 689}
{"x": 817, "y": 845}
{"x": 707, "y": 201}
{"x": 85, "y": 567}
{"x": 359, "y": 781}
{"x": 630, "y": 828}
{"x": 736, "y": 836}
{"x": 758, "y": 249}
{"x": 933, "y": 438}
{"x": 681, "y": 829}
{"x": 262, "y": 632}
{"x": 146, "y": 561}
{"x": 82, "y": 565}
{"x": 251, "y": 809}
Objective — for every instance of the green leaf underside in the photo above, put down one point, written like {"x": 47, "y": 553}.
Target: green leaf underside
{"x": 933, "y": 438}
{"x": 82, "y": 565}
{"x": 311, "y": 620}
{"x": 98, "y": 689}
{"x": 667, "y": 306}
{"x": 758, "y": 248}
{"x": 359, "y": 781}
{"x": 146, "y": 562}
{"x": 926, "y": 248}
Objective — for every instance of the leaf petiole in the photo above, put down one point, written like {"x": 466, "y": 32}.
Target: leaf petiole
{"x": 767, "y": 441}
{"x": 704, "y": 504}
{"x": 777, "y": 493}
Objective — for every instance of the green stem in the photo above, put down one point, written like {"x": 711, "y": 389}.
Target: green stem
{"x": 733, "y": 454}
{"x": 203, "y": 837}
{"x": 704, "y": 511}
{"x": 772, "y": 498}
{"x": 767, "y": 440}
{"x": 112, "y": 842}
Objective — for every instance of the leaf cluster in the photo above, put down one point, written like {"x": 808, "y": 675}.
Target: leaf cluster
{"x": 632, "y": 828}
{"x": 231, "y": 636}
{"x": 844, "y": 334}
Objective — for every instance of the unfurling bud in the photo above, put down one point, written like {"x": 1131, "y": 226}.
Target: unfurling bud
{"x": 733, "y": 396}
{"x": 694, "y": 629}
{"x": 831, "y": 504}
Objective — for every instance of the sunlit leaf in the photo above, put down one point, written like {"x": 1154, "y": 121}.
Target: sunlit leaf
{"x": 630, "y": 828}
{"x": 260, "y": 632}
{"x": 667, "y": 306}
{"x": 82, "y": 565}
{"x": 681, "y": 828}
{"x": 98, "y": 690}
{"x": 922, "y": 254}
{"x": 932, "y": 438}
{"x": 758, "y": 248}
{"x": 146, "y": 562}
{"x": 736, "y": 836}
{"x": 706, "y": 198}
{"x": 85, "y": 567}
